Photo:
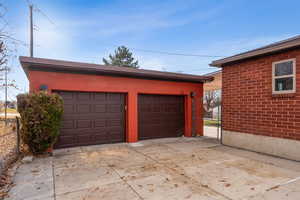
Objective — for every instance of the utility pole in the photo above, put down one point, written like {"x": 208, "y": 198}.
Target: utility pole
{"x": 5, "y": 102}
{"x": 31, "y": 30}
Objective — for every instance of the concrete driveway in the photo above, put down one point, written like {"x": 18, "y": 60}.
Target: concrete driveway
{"x": 175, "y": 168}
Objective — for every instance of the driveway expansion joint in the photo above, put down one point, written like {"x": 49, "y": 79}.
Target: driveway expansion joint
{"x": 141, "y": 198}
{"x": 53, "y": 179}
{"x": 180, "y": 174}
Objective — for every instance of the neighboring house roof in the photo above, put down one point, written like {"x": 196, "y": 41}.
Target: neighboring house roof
{"x": 77, "y": 67}
{"x": 216, "y": 84}
{"x": 213, "y": 73}
{"x": 265, "y": 50}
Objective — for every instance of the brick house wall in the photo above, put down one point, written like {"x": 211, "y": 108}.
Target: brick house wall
{"x": 216, "y": 84}
{"x": 248, "y": 105}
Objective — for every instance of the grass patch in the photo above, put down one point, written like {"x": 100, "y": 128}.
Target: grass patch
{"x": 9, "y": 110}
{"x": 211, "y": 123}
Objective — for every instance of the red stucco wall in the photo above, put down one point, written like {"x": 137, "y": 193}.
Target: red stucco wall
{"x": 248, "y": 105}
{"x": 131, "y": 86}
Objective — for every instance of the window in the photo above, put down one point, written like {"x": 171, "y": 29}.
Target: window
{"x": 284, "y": 76}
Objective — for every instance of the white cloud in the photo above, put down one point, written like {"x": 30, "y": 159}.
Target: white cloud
{"x": 116, "y": 22}
{"x": 152, "y": 63}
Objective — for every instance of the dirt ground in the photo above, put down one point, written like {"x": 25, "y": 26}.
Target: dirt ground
{"x": 174, "y": 168}
{"x": 8, "y": 139}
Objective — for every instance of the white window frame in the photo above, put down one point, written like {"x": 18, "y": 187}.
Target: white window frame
{"x": 284, "y": 76}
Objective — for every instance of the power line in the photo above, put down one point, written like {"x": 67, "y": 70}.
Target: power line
{"x": 184, "y": 69}
{"x": 176, "y": 54}
{"x": 33, "y": 27}
{"x": 46, "y": 16}
{"x": 135, "y": 49}
{"x": 167, "y": 53}
{"x": 37, "y": 9}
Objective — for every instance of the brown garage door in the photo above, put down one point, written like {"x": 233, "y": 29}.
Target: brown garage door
{"x": 160, "y": 116}
{"x": 91, "y": 118}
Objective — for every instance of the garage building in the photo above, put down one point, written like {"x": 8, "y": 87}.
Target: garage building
{"x": 108, "y": 104}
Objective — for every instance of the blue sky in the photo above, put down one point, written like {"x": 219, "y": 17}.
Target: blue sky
{"x": 87, "y": 31}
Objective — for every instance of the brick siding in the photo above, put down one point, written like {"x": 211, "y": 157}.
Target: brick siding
{"x": 216, "y": 84}
{"x": 248, "y": 103}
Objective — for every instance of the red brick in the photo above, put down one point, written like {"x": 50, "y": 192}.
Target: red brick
{"x": 248, "y": 103}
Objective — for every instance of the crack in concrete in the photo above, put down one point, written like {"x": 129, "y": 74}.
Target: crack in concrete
{"x": 140, "y": 197}
{"x": 291, "y": 181}
{"x": 53, "y": 179}
{"x": 177, "y": 171}
{"x": 173, "y": 169}
{"x": 283, "y": 184}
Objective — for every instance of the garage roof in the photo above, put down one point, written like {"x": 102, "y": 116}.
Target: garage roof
{"x": 30, "y": 63}
{"x": 265, "y": 50}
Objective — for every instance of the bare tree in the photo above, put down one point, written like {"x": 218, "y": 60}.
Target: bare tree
{"x": 8, "y": 43}
{"x": 8, "y": 50}
{"x": 3, "y": 54}
{"x": 211, "y": 100}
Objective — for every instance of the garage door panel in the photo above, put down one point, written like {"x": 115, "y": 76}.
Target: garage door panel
{"x": 113, "y": 134}
{"x": 114, "y": 108}
{"x": 83, "y": 108}
{"x": 97, "y": 138}
{"x": 95, "y": 130}
{"x": 145, "y": 108}
{"x": 115, "y": 138}
{"x": 160, "y": 116}
{"x": 67, "y": 141}
{"x": 84, "y": 124}
{"x": 99, "y": 108}
{"x": 69, "y": 108}
{"x": 91, "y": 118}
{"x": 112, "y": 129}
{"x": 114, "y": 123}
{"x": 112, "y": 116}
{"x": 99, "y": 123}
{"x": 100, "y": 97}
{"x": 87, "y": 115}
{"x": 114, "y": 97}
{"x": 67, "y": 133}
{"x": 83, "y": 96}
{"x": 67, "y": 124}
{"x": 149, "y": 121}
{"x": 66, "y": 96}
{"x": 100, "y": 131}
{"x": 84, "y": 139}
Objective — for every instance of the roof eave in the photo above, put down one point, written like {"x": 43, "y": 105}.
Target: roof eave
{"x": 24, "y": 66}
{"x": 214, "y": 64}
{"x": 28, "y": 63}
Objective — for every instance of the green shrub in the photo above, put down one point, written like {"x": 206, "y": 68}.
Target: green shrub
{"x": 41, "y": 115}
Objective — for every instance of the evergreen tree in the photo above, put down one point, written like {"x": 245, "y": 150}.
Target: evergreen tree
{"x": 123, "y": 57}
